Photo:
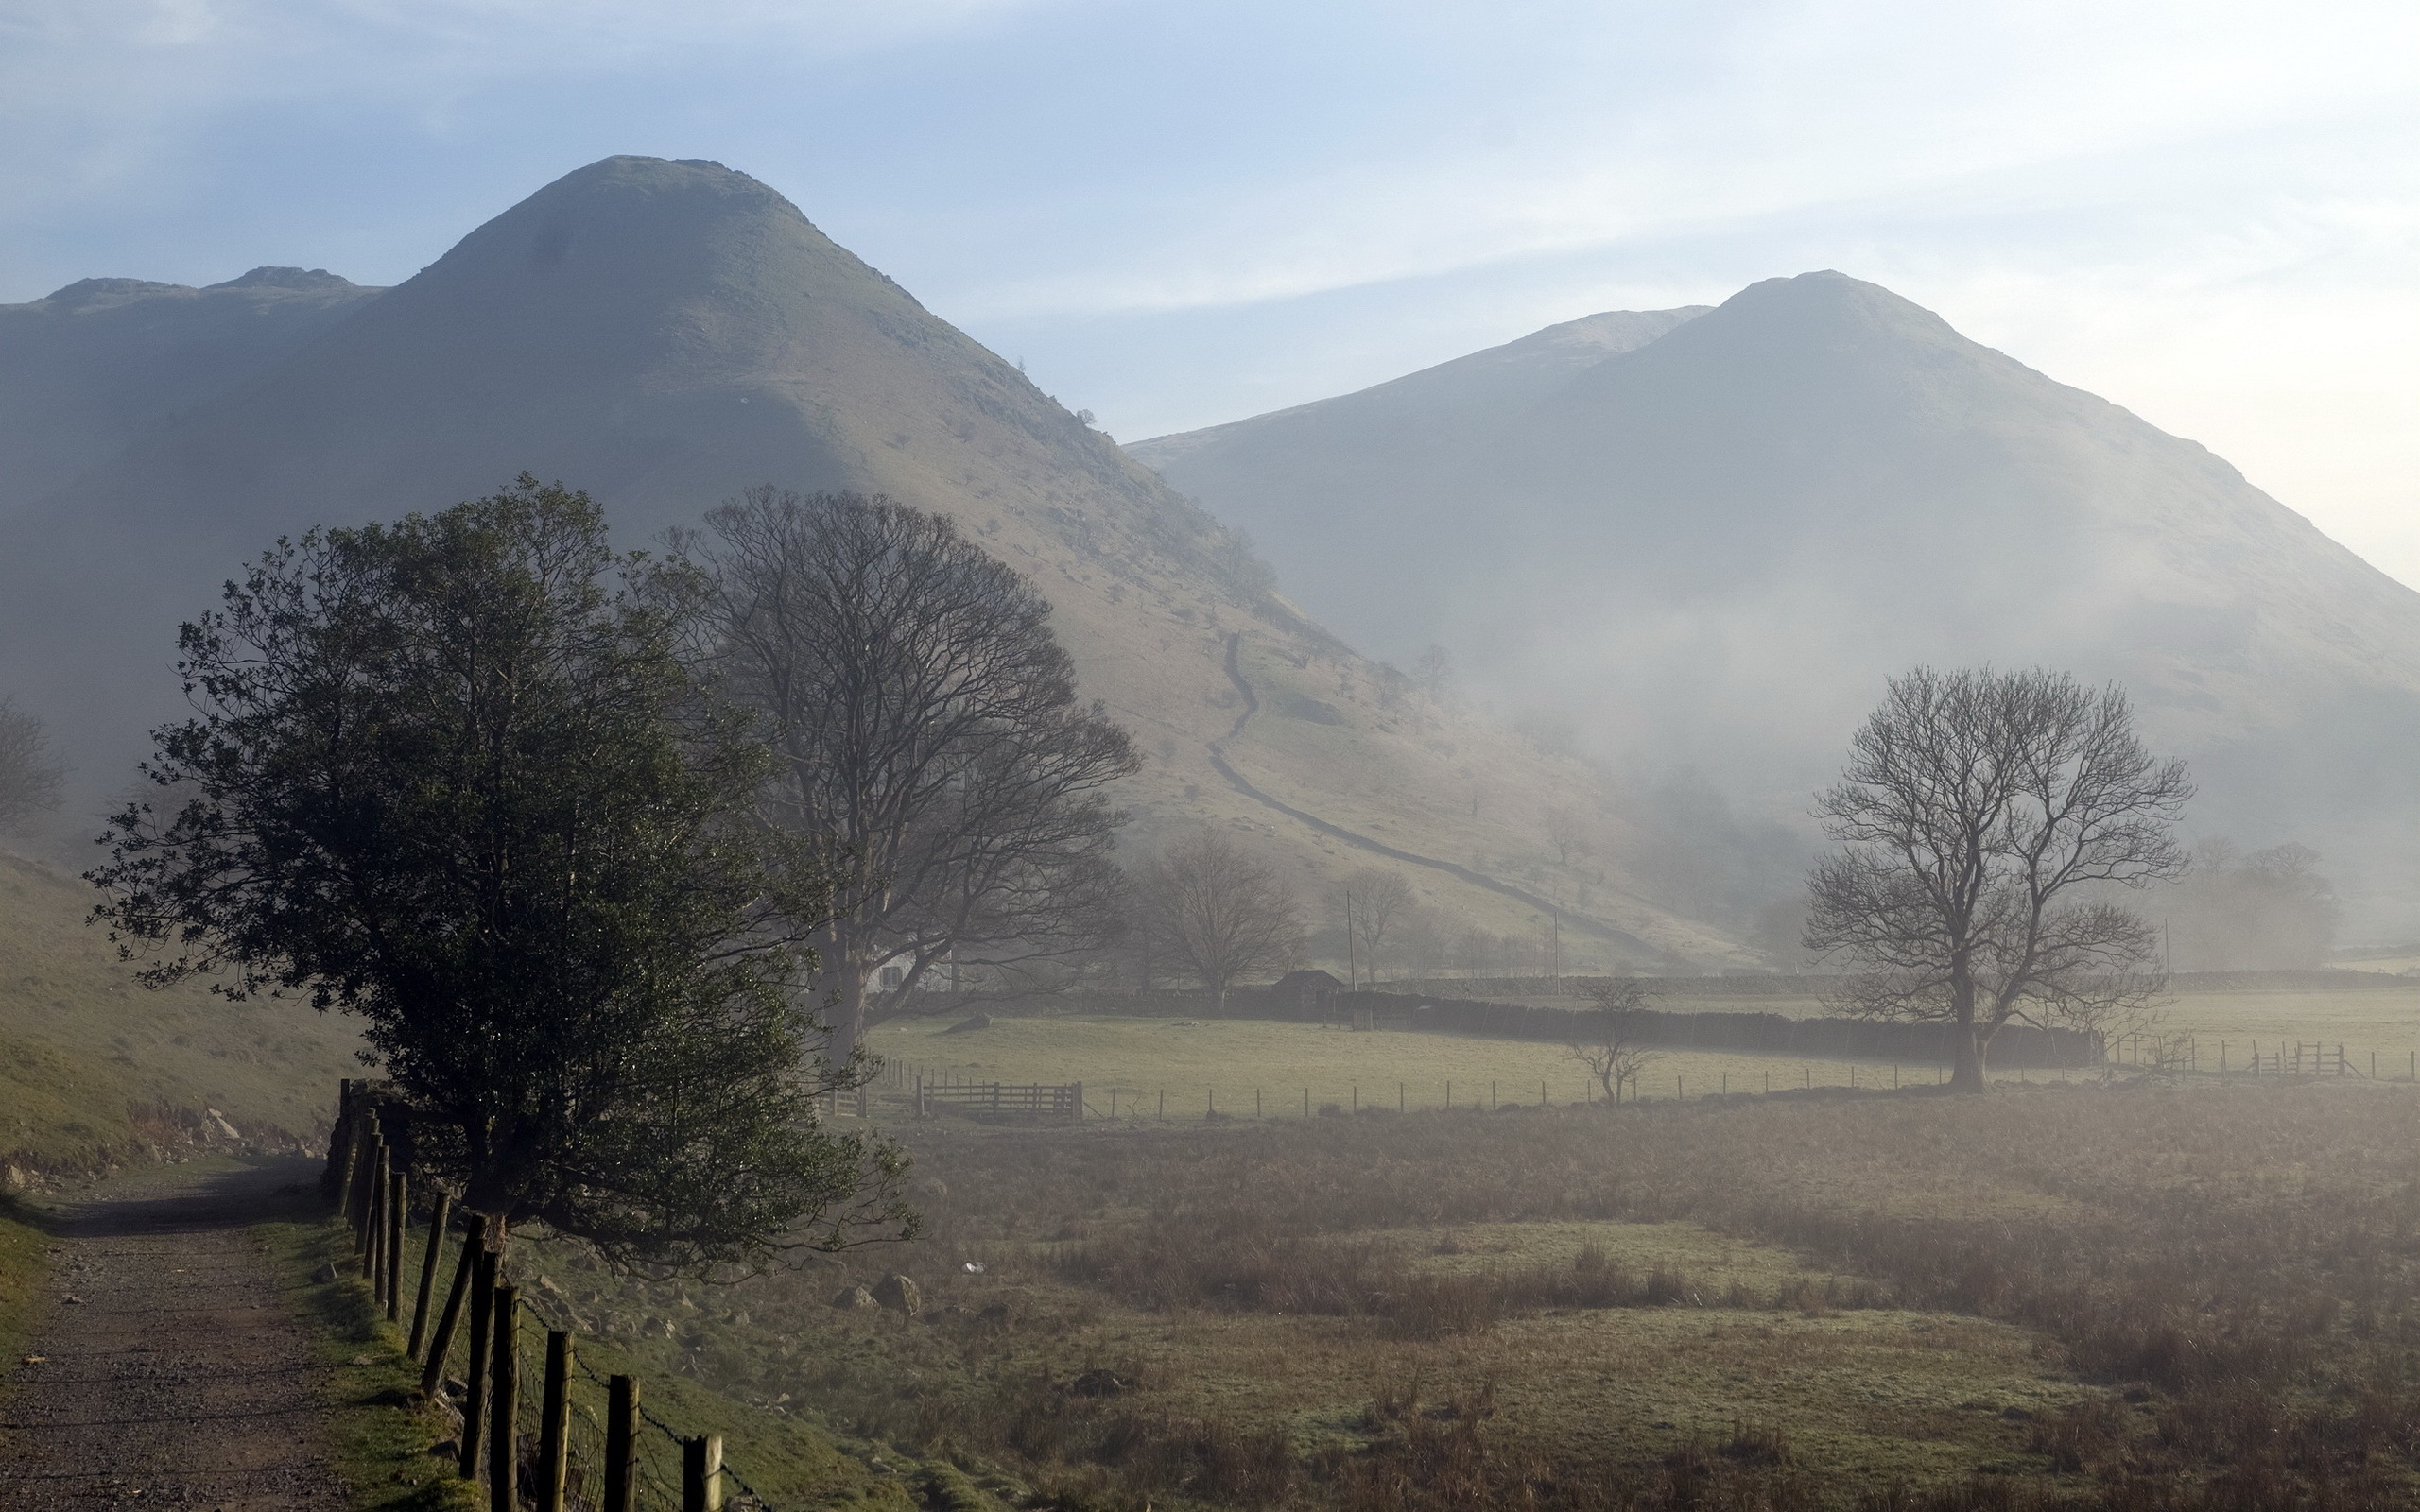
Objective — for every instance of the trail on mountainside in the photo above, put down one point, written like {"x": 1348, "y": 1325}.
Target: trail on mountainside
{"x": 1237, "y": 781}
{"x": 170, "y": 1371}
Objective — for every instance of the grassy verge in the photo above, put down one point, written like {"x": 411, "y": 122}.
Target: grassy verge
{"x": 383, "y": 1433}
{"x": 24, "y": 1262}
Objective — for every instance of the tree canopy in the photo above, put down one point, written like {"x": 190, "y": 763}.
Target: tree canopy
{"x": 1216, "y": 914}
{"x": 1982, "y": 821}
{"x": 453, "y": 776}
{"x": 926, "y": 733}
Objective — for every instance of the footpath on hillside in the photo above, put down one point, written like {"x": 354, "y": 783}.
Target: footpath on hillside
{"x": 169, "y": 1371}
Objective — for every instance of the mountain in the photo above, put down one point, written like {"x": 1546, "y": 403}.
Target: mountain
{"x": 663, "y": 334}
{"x": 1709, "y": 547}
{"x": 86, "y": 369}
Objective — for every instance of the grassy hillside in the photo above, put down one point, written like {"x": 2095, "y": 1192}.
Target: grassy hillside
{"x": 96, "y": 1071}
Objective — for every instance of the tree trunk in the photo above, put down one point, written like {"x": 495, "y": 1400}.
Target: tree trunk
{"x": 1966, "y": 1066}
{"x": 848, "y": 1015}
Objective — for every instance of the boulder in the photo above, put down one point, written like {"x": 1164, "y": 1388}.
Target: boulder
{"x": 854, "y": 1299}
{"x": 899, "y": 1293}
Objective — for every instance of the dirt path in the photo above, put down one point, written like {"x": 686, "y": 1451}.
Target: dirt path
{"x": 172, "y": 1370}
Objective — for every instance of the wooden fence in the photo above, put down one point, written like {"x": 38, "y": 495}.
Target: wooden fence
{"x": 1044, "y": 1103}
{"x": 521, "y": 1445}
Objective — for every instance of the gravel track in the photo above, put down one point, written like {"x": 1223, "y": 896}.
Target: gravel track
{"x": 170, "y": 1370}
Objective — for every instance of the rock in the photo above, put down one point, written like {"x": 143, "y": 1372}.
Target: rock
{"x": 854, "y": 1299}
{"x": 998, "y": 1315}
{"x": 325, "y": 1274}
{"x": 899, "y": 1293}
{"x": 981, "y": 1020}
{"x": 1099, "y": 1384}
{"x": 546, "y": 1284}
{"x": 218, "y": 1123}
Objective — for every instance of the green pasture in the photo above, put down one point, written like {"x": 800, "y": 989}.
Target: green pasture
{"x": 1250, "y": 1067}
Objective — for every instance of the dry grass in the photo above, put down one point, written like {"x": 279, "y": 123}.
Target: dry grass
{"x": 2106, "y": 1296}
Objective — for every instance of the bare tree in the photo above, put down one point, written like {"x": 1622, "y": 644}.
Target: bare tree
{"x": 926, "y": 733}
{"x": 1217, "y": 915}
{"x": 1605, "y": 1039}
{"x": 31, "y": 778}
{"x": 1378, "y": 904}
{"x": 1982, "y": 819}
{"x": 1567, "y": 834}
{"x": 1434, "y": 670}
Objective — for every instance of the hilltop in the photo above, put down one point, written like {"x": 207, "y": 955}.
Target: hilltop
{"x": 1710, "y": 545}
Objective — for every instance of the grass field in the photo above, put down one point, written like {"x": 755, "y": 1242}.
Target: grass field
{"x": 96, "y": 1071}
{"x": 2122, "y": 1296}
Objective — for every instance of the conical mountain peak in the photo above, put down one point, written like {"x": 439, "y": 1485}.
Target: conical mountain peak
{"x": 663, "y": 334}
{"x": 1718, "y": 543}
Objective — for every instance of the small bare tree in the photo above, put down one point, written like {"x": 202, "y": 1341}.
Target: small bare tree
{"x": 1378, "y": 904}
{"x": 1605, "y": 1039}
{"x": 1217, "y": 915}
{"x": 31, "y": 778}
{"x": 1982, "y": 819}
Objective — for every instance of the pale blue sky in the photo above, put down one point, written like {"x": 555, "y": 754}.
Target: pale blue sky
{"x": 1179, "y": 214}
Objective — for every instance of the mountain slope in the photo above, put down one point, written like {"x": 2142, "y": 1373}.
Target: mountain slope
{"x": 95, "y": 1069}
{"x": 665, "y": 334}
{"x": 1716, "y": 544}
{"x": 86, "y": 369}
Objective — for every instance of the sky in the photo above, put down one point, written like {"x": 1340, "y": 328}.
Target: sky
{"x": 1181, "y": 212}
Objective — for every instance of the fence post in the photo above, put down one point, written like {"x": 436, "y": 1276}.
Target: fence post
{"x": 503, "y": 1406}
{"x": 1306, "y": 1101}
{"x": 475, "y": 1367}
{"x": 364, "y": 1167}
{"x": 380, "y": 1199}
{"x": 701, "y": 1473}
{"x": 440, "y": 1208}
{"x": 432, "y": 1373}
{"x": 621, "y": 1444}
{"x": 398, "y": 1193}
{"x": 554, "y": 1423}
{"x": 1255, "y": 1105}
{"x": 338, "y": 1180}
{"x": 1399, "y": 1101}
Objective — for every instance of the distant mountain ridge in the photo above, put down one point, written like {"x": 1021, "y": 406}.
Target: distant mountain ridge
{"x": 663, "y": 334}
{"x": 86, "y": 369}
{"x": 1714, "y": 544}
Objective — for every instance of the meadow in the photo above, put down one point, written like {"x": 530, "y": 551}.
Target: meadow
{"x": 1133, "y": 1067}
{"x": 2127, "y": 1294}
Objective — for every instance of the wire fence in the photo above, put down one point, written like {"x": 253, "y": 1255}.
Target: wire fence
{"x": 566, "y": 1438}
